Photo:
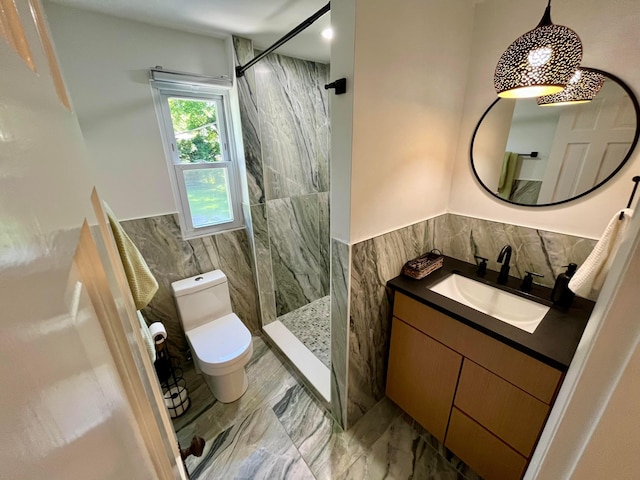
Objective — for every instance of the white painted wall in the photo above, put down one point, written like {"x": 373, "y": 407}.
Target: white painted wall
{"x": 29, "y": 168}
{"x": 532, "y": 130}
{"x": 411, "y": 60}
{"x": 609, "y": 33}
{"x": 105, "y": 62}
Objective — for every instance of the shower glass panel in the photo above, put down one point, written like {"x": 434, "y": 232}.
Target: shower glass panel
{"x": 285, "y": 123}
{"x": 294, "y": 125}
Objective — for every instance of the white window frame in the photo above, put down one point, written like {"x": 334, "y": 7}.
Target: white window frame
{"x": 162, "y": 91}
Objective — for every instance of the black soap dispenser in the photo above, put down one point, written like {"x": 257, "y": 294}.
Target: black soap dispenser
{"x": 561, "y": 295}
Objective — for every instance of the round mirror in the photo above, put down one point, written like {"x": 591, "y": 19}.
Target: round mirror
{"x": 534, "y": 155}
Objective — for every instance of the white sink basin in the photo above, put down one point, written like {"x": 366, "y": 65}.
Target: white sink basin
{"x": 512, "y": 309}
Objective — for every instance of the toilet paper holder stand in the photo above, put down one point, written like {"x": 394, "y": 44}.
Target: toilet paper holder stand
{"x": 172, "y": 381}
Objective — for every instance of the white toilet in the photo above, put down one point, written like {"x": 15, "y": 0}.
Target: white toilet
{"x": 220, "y": 343}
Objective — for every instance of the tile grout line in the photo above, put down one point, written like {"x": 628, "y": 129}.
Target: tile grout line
{"x": 291, "y": 440}
{"x": 368, "y": 449}
{"x": 246, "y": 414}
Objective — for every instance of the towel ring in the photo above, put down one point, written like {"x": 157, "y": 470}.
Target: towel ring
{"x": 635, "y": 180}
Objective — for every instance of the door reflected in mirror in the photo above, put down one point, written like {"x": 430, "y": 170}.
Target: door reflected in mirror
{"x": 544, "y": 155}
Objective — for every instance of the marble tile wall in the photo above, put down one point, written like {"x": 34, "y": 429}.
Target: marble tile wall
{"x": 263, "y": 270}
{"x": 293, "y": 112}
{"x": 533, "y": 250}
{"x": 298, "y": 254}
{"x": 285, "y": 124}
{"x": 255, "y": 209}
{"x": 373, "y": 263}
{"x": 294, "y": 119}
{"x": 171, "y": 258}
{"x": 339, "y": 311}
{"x": 526, "y": 191}
{"x": 377, "y": 260}
{"x": 243, "y": 50}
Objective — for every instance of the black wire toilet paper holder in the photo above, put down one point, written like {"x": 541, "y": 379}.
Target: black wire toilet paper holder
{"x": 172, "y": 381}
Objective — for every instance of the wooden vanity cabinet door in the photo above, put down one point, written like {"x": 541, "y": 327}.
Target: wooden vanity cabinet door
{"x": 527, "y": 373}
{"x": 422, "y": 377}
{"x": 485, "y": 453}
{"x": 509, "y": 413}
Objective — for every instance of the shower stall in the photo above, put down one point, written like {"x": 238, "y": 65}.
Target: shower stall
{"x": 286, "y": 135}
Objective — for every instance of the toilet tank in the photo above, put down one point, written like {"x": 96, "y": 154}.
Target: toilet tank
{"x": 202, "y": 298}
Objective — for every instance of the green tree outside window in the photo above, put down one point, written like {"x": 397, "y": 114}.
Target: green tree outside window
{"x": 196, "y": 130}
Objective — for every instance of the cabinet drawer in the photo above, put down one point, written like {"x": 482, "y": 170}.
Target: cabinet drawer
{"x": 511, "y": 414}
{"x": 531, "y": 375}
{"x": 422, "y": 377}
{"x": 486, "y": 454}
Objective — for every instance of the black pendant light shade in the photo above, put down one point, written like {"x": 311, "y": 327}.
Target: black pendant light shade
{"x": 583, "y": 86}
{"x": 540, "y": 62}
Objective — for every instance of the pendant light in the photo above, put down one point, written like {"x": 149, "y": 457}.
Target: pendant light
{"x": 540, "y": 62}
{"x": 583, "y": 87}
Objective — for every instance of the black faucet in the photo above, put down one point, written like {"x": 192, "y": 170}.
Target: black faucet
{"x": 504, "y": 257}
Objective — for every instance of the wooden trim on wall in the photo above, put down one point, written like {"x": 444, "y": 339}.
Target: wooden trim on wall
{"x": 12, "y": 29}
{"x": 47, "y": 47}
{"x": 144, "y": 369}
{"x": 92, "y": 273}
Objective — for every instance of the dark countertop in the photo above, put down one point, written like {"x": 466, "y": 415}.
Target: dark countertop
{"x": 554, "y": 341}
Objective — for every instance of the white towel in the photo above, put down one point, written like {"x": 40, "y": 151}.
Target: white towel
{"x": 146, "y": 336}
{"x": 591, "y": 275}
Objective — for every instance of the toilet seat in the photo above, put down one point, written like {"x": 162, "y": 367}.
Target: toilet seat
{"x": 222, "y": 345}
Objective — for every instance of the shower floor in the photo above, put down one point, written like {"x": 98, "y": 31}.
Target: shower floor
{"x": 310, "y": 324}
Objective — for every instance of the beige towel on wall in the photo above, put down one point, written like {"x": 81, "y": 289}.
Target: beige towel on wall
{"x": 507, "y": 174}
{"x": 142, "y": 283}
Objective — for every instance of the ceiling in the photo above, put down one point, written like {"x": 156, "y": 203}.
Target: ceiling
{"x": 263, "y": 21}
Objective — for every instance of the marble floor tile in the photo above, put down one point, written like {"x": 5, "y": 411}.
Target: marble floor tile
{"x": 269, "y": 380}
{"x": 447, "y": 454}
{"x": 400, "y": 453}
{"x": 200, "y": 399}
{"x": 324, "y": 445}
{"x": 278, "y": 430}
{"x": 310, "y": 324}
{"x": 255, "y": 448}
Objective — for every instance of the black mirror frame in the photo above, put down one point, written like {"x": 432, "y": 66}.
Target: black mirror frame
{"x": 634, "y": 143}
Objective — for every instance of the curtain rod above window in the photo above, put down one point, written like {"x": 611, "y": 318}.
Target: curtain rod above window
{"x": 159, "y": 74}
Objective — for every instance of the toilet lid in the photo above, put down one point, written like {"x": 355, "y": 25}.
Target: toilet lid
{"x": 220, "y": 341}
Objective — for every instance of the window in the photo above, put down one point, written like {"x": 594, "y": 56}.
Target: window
{"x": 200, "y": 153}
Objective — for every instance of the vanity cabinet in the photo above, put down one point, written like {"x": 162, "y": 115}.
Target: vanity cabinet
{"x": 424, "y": 379}
{"x": 486, "y": 401}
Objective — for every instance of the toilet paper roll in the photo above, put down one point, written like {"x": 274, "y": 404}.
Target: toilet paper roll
{"x": 175, "y": 396}
{"x": 179, "y": 410}
{"x": 158, "y": 332}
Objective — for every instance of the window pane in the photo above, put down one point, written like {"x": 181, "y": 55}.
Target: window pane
{"x": 208, "y": 195}
{"x": 195, "y": 125}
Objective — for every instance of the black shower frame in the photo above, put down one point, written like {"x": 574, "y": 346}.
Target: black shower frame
{"x": 240, "y": 69}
